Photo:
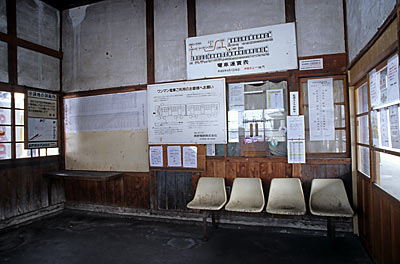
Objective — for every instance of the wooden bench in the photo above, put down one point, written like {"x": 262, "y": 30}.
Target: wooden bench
{"x": 286, "y": 197}
{"x": 78, "y": 175}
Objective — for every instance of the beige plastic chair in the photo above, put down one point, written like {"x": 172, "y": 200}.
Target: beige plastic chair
{"x": 210, "y": 196}
{"x": 247, "y": 196}
{"x": 286, "y": 197}
{"x": 328, "y": 198}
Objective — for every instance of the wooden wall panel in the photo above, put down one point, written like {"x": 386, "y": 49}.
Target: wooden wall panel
{"x": 23, "y": 188}
{"x": 379, "y": 221}
{"x": 131, "y": 190}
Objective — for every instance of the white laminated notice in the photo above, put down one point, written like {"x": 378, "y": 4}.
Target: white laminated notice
{"x": 393, "y": 78}
{"x": 295, "y": 127}
{"x": 321, "y": 109}
{"x": 294, "y": 103}
{"x": 174, "y": 156}
{"x": 296, "y": 151}
{"x": 384, "y": 128}
{"x": 210, "y": 150}
{"x": 190, "y": 157}
{"x": 156, "y": 156}
{"x": 394, "y": 126}
{"x": 373, "y": 88}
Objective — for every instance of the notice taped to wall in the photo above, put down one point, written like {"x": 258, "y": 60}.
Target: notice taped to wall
{"x": 257, "y": 50}
{"x": 187, "y": 112}
{"x": 42, "y": 116}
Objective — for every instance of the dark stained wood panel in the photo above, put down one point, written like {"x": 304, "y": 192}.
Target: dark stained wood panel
{"x": 23, "y": 188}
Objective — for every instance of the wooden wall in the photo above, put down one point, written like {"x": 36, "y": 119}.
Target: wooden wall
{"x": 379, "y": 221}
{"x": 24, "y": 190}
{"x": 131, "y": 190}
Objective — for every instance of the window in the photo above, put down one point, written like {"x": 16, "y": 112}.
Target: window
{"x": 377, "y": 125}
{"x": 339, "y": 143}
{"x": 12, "y": 129}
{"x": 257, "y": 119}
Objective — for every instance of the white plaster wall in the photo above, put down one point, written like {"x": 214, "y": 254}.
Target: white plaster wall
{"x": 363, "y": 20}
{"x": 170, "y": 32}
{"x": 3, "y": 62}
{"x": 230, "y": 15}
{"x": 38, "y": 70}
{"x": 3, "y": 16}
{"x": 104, "y": 45}
{"x": 320, "y": 27}
{"x": 38, "y": 22}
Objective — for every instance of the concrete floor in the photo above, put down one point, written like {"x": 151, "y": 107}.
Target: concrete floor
{"x": 76, "y": 237}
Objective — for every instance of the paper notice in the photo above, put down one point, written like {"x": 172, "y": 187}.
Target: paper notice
{"x": 394, "y": 126}
{"x": 393, "y": 78}
{"x": 373, "y": 88}
{"x": 295, "y": 127}
{"x": 210, "y": 150}
{"x": 384, "y": 128}
{"x": 321, "y": 109}
{"x": 236, "y": 94}
{"x": 374, "y": 128}
{"x": 275, "y": 99}
{"x": 296, "y": 151}
{"x": 174, "y": 156}
{"x": 156, "y": 156}
{"x": 383, "y": 89}
{"x": 190, "y": 157}
{"x": 294, "y": 103}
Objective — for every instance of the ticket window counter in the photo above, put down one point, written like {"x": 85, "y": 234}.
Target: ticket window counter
{"x": 257, "y": 119}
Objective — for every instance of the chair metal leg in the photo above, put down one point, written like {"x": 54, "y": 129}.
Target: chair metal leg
{"x": 214, "y": 223}
{"x": 205, "y": 236}
{"x": 330, "y": 228}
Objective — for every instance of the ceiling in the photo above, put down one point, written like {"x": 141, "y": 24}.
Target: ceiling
{"x": 67, "y": 4}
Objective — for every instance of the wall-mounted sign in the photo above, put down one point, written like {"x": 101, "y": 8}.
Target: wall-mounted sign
{"x": 311, "y": 64}
{"x": 187, "y": 112}
{"x": 257, "y": 50}
{"x": 42, "y": 126}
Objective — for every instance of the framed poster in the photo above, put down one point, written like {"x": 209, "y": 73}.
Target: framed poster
{"x": 191, "y": 112}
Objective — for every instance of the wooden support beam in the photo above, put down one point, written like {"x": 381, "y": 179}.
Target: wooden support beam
{"x": 12, "y": 45}
{"x": 290, "y": 11}
{"x": 191, "y": 18}
{"x": 150, "y": 41}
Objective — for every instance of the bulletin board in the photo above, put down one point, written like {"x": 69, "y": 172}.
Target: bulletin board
{"x": 41, "y": 119}
{"x": 106, "y": 132}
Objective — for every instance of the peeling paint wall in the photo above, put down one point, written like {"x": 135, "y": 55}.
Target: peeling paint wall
{"x": 104, "y": 45}
{"x": 170, "y": 32}
{"x": 320, "y": 27}
{"x": 3, "y": 16}
{"x": 230, "y": 15}
{"x": 38, "y": 22}
{"x": 363, "y": 20}
{"x": 3, "y": 62}
{"x": 38, "y": 70}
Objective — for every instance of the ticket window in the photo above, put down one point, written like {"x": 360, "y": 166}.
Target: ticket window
{"x": 257, "y": 119}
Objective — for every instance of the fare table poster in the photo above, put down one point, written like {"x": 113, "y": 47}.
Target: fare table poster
{"x": 191, "y": 112}
{"x": 321, "y": 109}
{"x": 41, "y": 129}
{"x": 249, "y": 51}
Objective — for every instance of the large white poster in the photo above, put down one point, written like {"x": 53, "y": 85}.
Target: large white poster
{"x": 257, "y": 50}
{"x": 191, "y": 112}
{"x": 321, "y": 109}
{"x": 109, "y": 112}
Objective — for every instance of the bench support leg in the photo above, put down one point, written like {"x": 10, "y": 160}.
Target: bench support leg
{"x": 214, "y": 223}
{"x": 205, "y": 236}
{"x": 330, "y": 228}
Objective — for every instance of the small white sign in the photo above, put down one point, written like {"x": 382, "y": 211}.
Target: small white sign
{"x": 311, "y": 64}
{"x": 210, "y": 150}
{"x": 295, "y": 127}
{"x": 156, "y": 156}
{"x": 294, "y": 103}
{"x": 174, "y": 156}
{"x": 190, "y": 157}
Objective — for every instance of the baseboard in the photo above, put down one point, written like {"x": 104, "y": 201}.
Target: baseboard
{"x": 307, "y": 224}
{"x": 31, "y": 216}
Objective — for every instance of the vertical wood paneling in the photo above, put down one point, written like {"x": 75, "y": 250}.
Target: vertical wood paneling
{"x": 22, "y": 189}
